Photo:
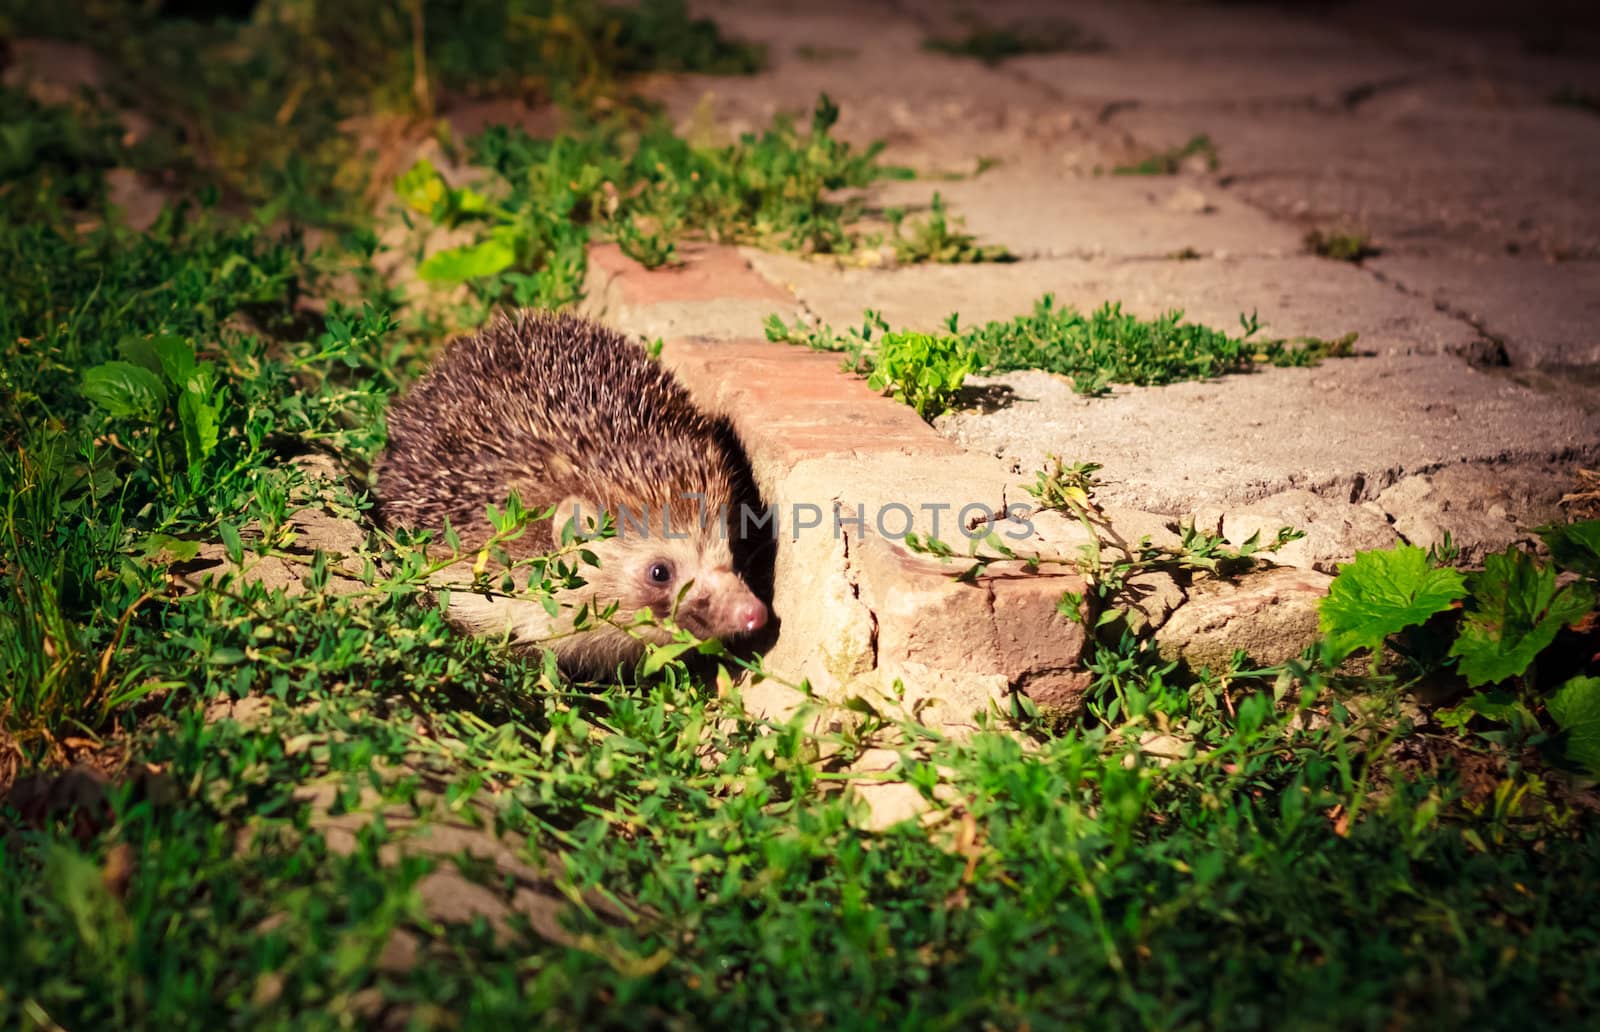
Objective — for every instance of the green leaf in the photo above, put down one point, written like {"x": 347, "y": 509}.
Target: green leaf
{"x": 232, "y": 542}
{"x": 198, "y": 418}
{"x": 1515, "y": 613}
{"x": 1575, "y": 707}
{"x": 1575, "y": 546}
{"x": 124, "y": 389}
{"x": 422, "y": 189}
{"x": 661, "y": 655}
{"x": 1496, "y": 706}
{"x": 165, "y": 548}
{"x": 177, "y": 358}
{"x": 1382, "y": 593}
{"x": 170, "y": 355}
{"x": 468, "y": 262}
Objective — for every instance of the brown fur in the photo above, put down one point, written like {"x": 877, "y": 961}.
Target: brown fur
{"x": 559, "y": 408}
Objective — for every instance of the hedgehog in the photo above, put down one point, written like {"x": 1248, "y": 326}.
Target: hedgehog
{"x": 569, "y": 413}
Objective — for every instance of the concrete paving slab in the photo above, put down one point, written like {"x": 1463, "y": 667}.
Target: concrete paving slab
{"x": 1294, "y": 296}
{"x": 1178, "y": 30}
{"x": 1426, "y": 175}
{"x": 1546, "y": 45}
{"x": 1041, "y": 211}
{"x": 1213, "y": 79}
{"x": 935, "y": 111}
{"x": 1346, "y": 429}
{"x": 1547, "y": 314}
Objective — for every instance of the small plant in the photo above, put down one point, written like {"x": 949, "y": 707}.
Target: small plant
{"x": 161, "y": 382}
{"x": 993, "y": 44}
{"x": 823, "y": 54}
{"x": 1570, "y": 96}
{"x": 1170, "y": 162}
{"x": 647, "y": 191}
{"x": 935, "y": 239}
{"x": 1341, "y": 247}
{"x": 1105, "y": 347}
{"x": 266, "y": 100}
{"x": 923, "y": 370}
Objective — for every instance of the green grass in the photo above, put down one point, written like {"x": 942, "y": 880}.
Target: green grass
{"x": 1341, "y": 247}
{"x": 1170, "y": 162}
{"x": 1107, "y": 346}
{"x": 939, "y": 238}
{"x": 1313, "y": 851}
{"x": 650, "y": 191}
{"x": 261, "y": 99}
{"x": 994, "y": 44}
{"x": 52, "y": 159}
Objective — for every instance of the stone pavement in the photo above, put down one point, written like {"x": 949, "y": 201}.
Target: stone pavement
{"x": 1464, "y": 140}
{"x": 1438, "y": 135}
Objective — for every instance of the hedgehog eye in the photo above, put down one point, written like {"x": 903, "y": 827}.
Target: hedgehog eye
{"x": 661, "y": 573}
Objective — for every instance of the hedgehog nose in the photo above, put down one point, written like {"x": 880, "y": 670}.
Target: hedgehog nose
{"x": 751, "y": 617}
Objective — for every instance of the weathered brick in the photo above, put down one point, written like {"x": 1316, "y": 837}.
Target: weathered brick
{"x": 791, "y": 405}
{"x": 1040, "y": 649}
{"x": 820, "y": 437}
{"x": 707, "y": 272}
{"x": 1271, "y": 614}
{"x": 924, "y": 614}
{"x": 1005, "y": 622}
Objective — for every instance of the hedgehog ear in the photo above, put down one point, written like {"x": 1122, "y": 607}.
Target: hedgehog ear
{"x": 585, "y": 516}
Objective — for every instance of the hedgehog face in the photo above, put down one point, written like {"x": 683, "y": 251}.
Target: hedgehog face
{"x": 691, "y": 581}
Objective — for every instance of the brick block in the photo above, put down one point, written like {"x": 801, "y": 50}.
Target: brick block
{"x": 790, "y": 405}
{"x": 1006, "y": 622}
{"x": 707, "y": 272}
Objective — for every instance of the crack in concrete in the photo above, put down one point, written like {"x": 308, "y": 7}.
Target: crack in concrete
{"x": 1494, "y": 354}
{"x": 1360, "y": 488}
{"x": 854, "y": 583}
{"x": 1357, "y": 95}
{"x": 1105, "y": 259}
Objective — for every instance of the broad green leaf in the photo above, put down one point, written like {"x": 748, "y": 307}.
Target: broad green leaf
{"x": 198, "y": 418}
{"x": 1497, "y": 706}
{"x": 165, "y": 548}
{"x": 168, "y": 354}
{"x": 1575, "y": 546}
{"x": 464, "y": 263}
{"x": 661, "y": 655}
{"x": 1381, "y": 593}
{"x": 176, "y": 356}
{"x": 1515, "y": 613}
{"x": 1575, "y": 707}
{"x": 124, "y": 389}
{"x": 422, "y": 189}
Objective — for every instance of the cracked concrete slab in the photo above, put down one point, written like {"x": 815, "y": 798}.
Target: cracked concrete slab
{"x": 1546, "y": 313}
{"x": 1175, "y": 30}
{"x": 1344, "y": 430}
{"x": 1423, "y": 174}
{"x": 1293, "y": 296}
{"x": 1270, "y": 79}
{"x": 935, "y": 112}
{"x": 1036, "y": 211}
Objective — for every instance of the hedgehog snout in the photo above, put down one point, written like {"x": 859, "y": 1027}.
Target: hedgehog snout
{"x": 732, "y": 609}
{"x": 750, "y": 617}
